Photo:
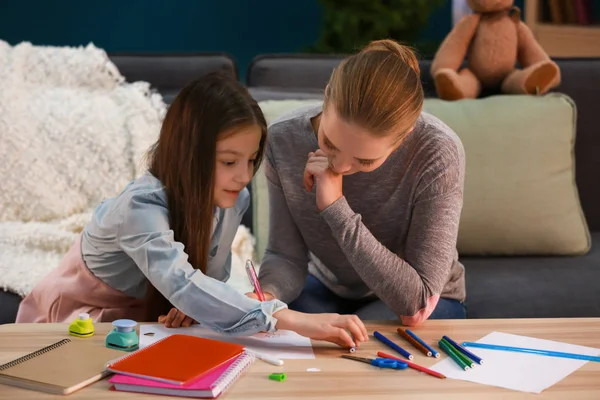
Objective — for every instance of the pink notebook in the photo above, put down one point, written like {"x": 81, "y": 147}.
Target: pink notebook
{"x": 210, "y": 385}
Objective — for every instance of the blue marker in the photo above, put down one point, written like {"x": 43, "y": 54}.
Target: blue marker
{"x": 392, "y": 345}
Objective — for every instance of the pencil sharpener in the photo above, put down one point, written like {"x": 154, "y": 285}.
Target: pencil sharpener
{"x": 277, "y": 377}
{"x": 123, "y": 336}
{"x": 82, "y": 326}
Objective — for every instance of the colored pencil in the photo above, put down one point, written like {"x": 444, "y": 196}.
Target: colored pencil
{"x": 392, "y": 345}
{"x": 418, "y": 339}
{"x": 412, "y": 365}
{"x": 466, "y": 352}
{"x": 460, "y": 355}
{"x": 414, "y": 342}
{"x": 533, "y": 351}
{"x": 453, "y": 356}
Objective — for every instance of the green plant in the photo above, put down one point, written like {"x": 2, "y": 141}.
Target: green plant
{"x": 350, "y": 24}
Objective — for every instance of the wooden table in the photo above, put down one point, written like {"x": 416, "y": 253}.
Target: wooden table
{"x": 344, "y": 379}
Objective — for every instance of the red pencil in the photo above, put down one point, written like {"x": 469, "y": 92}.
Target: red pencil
{"x": 412, "y": 365}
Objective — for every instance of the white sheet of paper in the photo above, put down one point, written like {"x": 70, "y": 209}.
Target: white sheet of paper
{"x": 281, "y": 344}
{"x": 517, "y": 371}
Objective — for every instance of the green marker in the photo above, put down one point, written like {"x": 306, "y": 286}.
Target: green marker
{"x": 460, "y": 355}
{"x": 452, "y": 354}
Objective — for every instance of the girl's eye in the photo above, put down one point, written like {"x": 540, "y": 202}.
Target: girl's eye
{"x": 228, "y": 163}
{"x": 366, "y": 163}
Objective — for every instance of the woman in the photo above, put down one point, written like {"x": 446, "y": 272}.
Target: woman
{"x": 365, "y": 195}
{"x": 165, "y": 240}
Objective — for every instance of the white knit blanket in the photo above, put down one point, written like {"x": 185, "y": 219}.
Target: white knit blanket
{"x": 72, "y": 133}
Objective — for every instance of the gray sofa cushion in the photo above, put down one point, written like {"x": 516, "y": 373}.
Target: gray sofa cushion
{"x": 297, "y": 74}
{"x": 534, "y": 287}
{"x": 267, "y": 93}
{"x": 168, "y": 73}
{"x": 302, "y": 71}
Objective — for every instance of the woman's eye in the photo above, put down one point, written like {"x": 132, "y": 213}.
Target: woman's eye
{"x": 228, "y": 163}
{"x": 366, "y": 163}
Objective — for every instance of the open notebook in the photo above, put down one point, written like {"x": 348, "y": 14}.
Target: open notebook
{"x": 209, "y": 385}
{"x": 60, "y": 368}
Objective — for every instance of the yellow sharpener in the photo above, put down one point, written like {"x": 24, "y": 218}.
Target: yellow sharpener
{"x": 82, "y": 326}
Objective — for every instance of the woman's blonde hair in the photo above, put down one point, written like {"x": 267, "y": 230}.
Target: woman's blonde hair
{"x": 379, "y": 88}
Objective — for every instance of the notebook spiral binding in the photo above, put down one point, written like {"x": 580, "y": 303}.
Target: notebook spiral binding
{"x": 33, "y": 354}
{"x": 233, "y": 372}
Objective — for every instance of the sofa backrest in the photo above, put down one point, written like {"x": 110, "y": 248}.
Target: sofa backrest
{"x": 168, "y": 73}
{"x": 308, "y": 73}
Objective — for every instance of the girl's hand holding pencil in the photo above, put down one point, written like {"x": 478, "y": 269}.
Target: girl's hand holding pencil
{"x": 253, "y": 295}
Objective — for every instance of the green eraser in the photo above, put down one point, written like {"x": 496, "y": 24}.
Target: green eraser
{"x": 277, "y": 377}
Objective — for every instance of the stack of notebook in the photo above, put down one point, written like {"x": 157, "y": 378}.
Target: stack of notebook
{"x": 181, "y": 365}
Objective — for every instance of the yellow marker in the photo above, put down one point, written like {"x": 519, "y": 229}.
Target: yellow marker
{"x": 82, "y": 326}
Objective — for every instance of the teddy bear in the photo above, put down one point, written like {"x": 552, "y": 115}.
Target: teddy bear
{"x": 492, "y": 39}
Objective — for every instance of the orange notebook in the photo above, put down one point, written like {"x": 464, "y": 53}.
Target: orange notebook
{"x": 176, "y": 359}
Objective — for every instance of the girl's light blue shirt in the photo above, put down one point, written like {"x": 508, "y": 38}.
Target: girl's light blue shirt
{"x": 128, "y": 242}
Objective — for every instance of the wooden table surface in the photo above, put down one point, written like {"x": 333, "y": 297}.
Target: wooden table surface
{"x": 344, "y": 379}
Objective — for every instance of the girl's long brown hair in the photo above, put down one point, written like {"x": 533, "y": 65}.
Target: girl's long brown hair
{"x": 184, "y": 160}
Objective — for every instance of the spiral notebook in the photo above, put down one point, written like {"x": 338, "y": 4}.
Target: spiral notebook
{"x": 210, "y": 385}
{"x": 60, "y": 368}
{"x": 177, "y": 359}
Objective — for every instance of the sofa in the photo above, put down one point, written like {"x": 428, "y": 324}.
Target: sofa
{"x": 498, "y": 286}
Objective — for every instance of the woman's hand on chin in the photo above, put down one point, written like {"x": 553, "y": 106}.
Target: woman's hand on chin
{"x": 318, "y": 173}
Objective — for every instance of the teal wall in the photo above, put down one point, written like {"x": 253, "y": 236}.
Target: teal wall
{"x": 242, "y": 28}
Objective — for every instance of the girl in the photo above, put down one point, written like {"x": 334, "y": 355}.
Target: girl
{"x": 365, "y": 196}
{"x": 165, "y": 240}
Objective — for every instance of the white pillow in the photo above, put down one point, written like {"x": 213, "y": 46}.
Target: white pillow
{"x": 67, "y": 143}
